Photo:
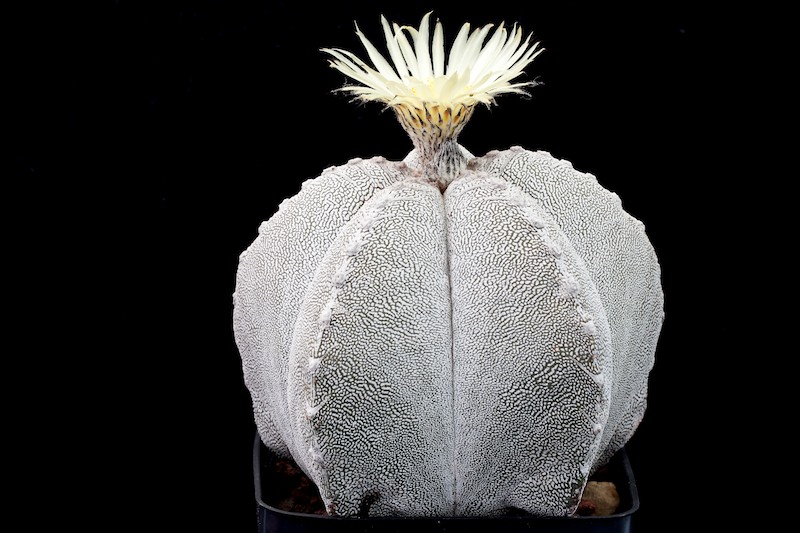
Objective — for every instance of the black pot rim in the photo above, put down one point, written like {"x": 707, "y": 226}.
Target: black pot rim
{"x": 617, "y": 522}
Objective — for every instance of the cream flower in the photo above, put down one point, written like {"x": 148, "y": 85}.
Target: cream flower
{"x": 433, "y": 100}
{"x": 417, "y": 74}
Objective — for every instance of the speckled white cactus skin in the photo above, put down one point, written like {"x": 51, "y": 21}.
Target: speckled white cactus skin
{"x": 457, "y": 338}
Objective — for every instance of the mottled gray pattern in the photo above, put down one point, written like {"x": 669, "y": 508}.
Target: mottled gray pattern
{"x": 274, "y": 273}
{"x": 379, "y": 387}
{"x": 620, "y": 260}
{"x": 466, "y": 353}
{"x": 530, "y": 345}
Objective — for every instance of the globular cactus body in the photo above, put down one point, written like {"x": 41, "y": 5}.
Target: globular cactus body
{"x": 457, "y": 344}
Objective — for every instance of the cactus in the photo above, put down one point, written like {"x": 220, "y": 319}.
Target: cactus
{"x": 448, "y": 334}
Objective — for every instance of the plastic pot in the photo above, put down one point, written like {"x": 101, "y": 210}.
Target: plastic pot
{"x": 274, "y": 520}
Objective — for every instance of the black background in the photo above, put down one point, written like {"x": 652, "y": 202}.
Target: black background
{"x": 150, "y": 139}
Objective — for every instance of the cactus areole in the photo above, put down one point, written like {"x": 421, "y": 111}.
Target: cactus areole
{"x": 449, "y": 335}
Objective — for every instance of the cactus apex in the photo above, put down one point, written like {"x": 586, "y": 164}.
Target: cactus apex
{"x": 432, "y": 98}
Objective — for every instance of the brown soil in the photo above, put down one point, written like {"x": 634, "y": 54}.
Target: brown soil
{"x": 297, "y": 493}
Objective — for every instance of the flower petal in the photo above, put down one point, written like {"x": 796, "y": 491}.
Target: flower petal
{"x": 376, "y": 57}
{"x": 417, "y": 74}
{"x": 394, "y": 49}
{"x": 437, "y": 50}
